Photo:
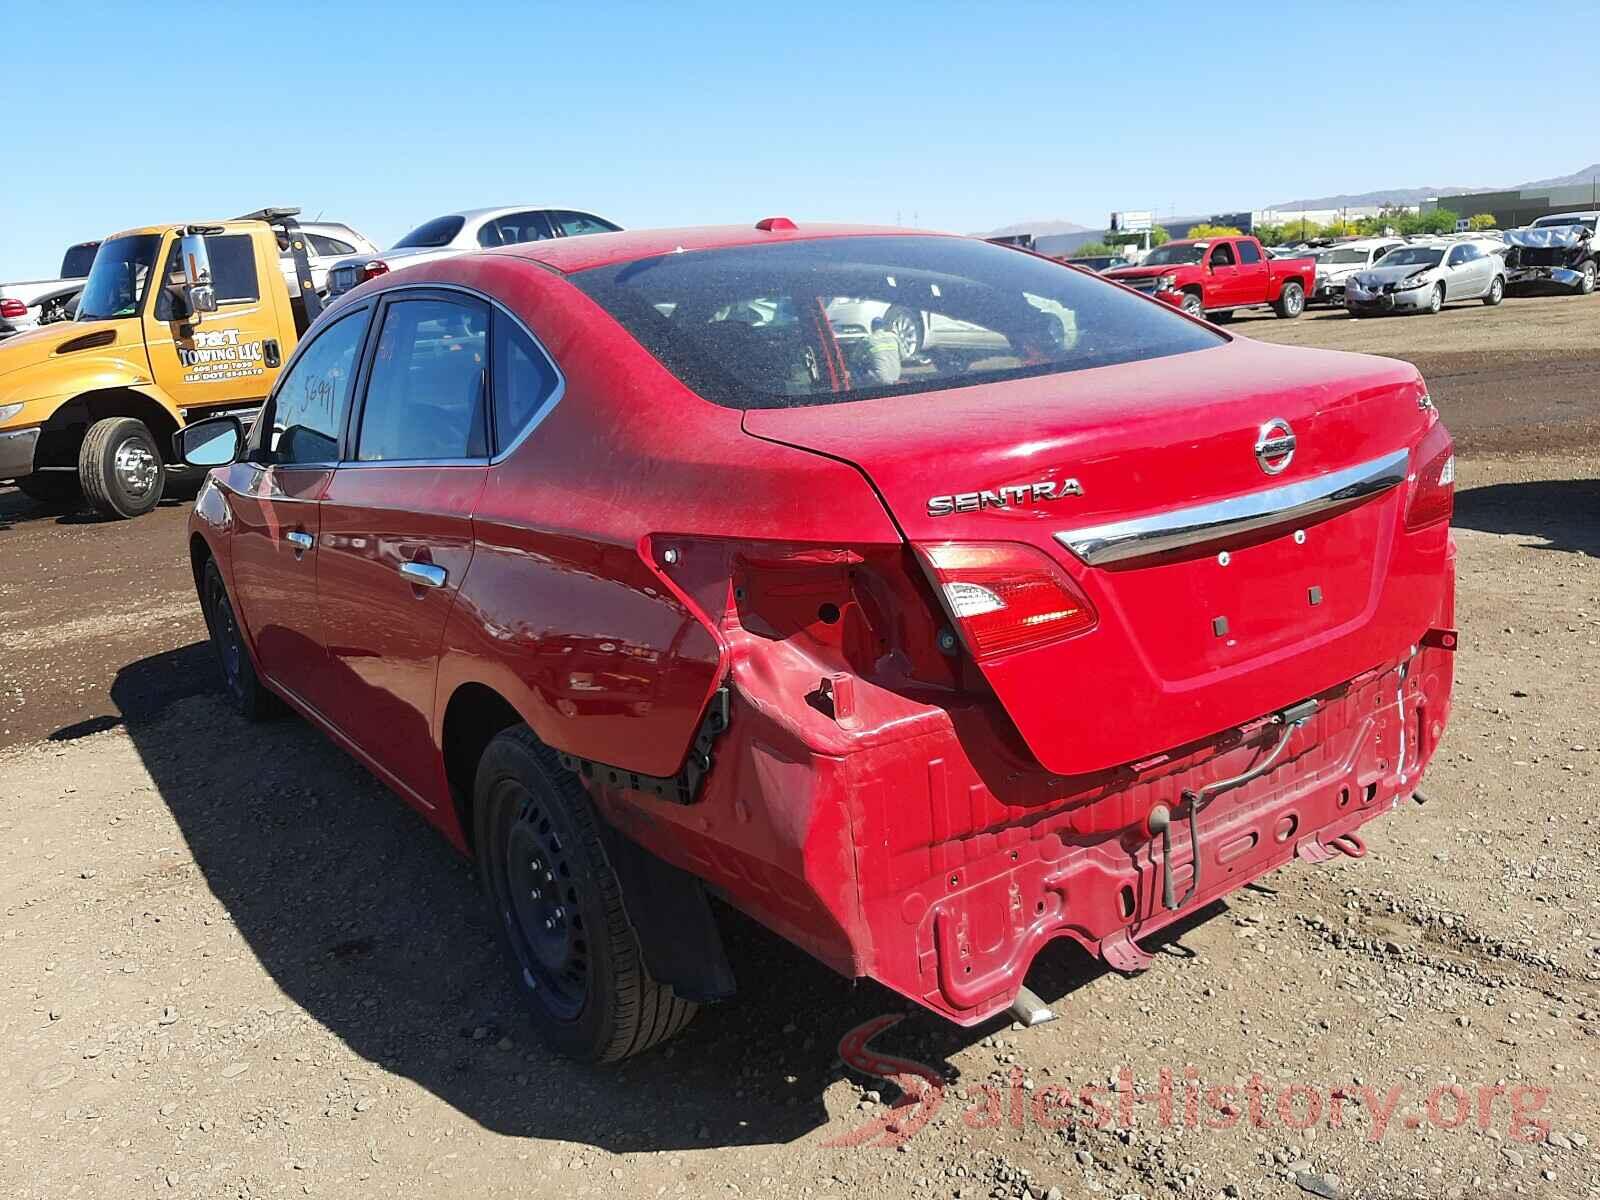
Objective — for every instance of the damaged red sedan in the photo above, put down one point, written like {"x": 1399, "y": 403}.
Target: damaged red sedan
{"x": 925, "y": 599}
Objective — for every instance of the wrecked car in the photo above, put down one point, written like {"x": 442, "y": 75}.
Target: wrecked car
{"x": 606, "y": 556}
{"x": 1555, "y": 251}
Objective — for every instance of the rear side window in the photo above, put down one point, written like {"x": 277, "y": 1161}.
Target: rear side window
{"x": 572, "y": 224}
{"x": 323, "y": 245}
{"x": 426, "y": 391}
{"x": 514, "y": 229}
{"x": 309, "y": 407}
{"x": 525, "y": 381}
{"x": 1248, "y": 252}
{"x": 836, "y": 319}
{"x": 431, "y": 236}
{"x": 78, "y": 260}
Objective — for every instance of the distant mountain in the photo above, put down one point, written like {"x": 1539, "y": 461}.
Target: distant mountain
{"x": 1383, "y": 196}
{"x": 1037, "y": 228}
{"x": 1587, "y": 175}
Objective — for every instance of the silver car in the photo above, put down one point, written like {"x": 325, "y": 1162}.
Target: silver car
{"x": 327, "y": 243}
{"x": 1336, "y": 264}
{"x": 457, "y": 233}
{"x": 1425, "y": 276}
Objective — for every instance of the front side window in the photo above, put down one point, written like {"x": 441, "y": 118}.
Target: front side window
{"x": 309, "y": 407}
{"x": 1459, "y": 255}
{"x": 116, "y": 283}
{"x": 233, "y": 272}
{"x": 836, "y": 319}
{"x": 572, "y": 224}
{"x": 433, "y": 235}
{"x": 1222, "y": 256}
{"x": 425, "y": 398}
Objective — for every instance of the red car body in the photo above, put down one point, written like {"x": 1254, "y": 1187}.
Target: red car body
{"x": 650, "y": 579}
{"x": 1249, "y": 278}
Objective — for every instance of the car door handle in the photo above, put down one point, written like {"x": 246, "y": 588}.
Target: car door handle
{"x": 299, "y": 540}
{"x": 424, "y": 574}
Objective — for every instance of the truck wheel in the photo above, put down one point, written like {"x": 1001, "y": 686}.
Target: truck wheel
{"x": 1589, "y": 272}
{"x": 1436, "y": 300}
{"x": 1291, "y": 302}
{"x": 1193, "y": 305}
{"x": 119, "y": 465}
{"x": 250, "y": 699}
{"x": 54, "y": 488}
{"x": 557, "y": 906}
{"x": 1497, "y": 291}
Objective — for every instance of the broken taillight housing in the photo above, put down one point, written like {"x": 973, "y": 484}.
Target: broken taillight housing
{"x": 1433, "y": 491}
{"x": 1004, "y": 597}
{"x": 371, "y": 270}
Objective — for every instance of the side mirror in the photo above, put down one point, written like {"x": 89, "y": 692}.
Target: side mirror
{"x": 198, "y": 289}
{"x": 214, "y": 442}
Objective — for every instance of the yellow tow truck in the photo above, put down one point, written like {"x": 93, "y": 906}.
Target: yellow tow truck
{"x": 175, "y": 323}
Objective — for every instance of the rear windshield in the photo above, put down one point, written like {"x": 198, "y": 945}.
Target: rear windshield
{"x": 437, "y": 232}
{"x": 1339, "y": 257}
{"x": 819, "y": 322}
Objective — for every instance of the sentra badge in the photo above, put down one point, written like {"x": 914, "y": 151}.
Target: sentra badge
{"x": 1015, "y": 496}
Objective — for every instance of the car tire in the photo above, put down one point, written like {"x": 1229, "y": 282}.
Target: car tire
{"x": 907, "y": 329}
{"x": 1435, "y": 300}
{"x": 557, "y": 907}
{"x": 1497, "y": 291}
{"x": 247, "y": 694}
{"x": 54, "y": 488}
{"x": 1291, "y": 302}
{"x": 120, "y": 467}
{"x": 1193, "y": 304}
{"x": 1590, "y": 270}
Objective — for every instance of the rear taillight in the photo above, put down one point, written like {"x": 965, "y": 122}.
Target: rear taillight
{"x": 1005, "y": 597}
{"x": 12, "y": 308}
{"x": 1433, "y": 490}
{"x": 371, "y": 270}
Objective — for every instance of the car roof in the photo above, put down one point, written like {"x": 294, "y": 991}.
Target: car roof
{"x": 584, "y": 251}
{"x": 480, "y": 214}
{"x": 1588, "y": 214}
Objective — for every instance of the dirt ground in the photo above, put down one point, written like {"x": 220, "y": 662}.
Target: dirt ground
{"x": 233, "y": 965}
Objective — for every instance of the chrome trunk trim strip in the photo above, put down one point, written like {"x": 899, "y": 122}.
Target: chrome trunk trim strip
{"x": 1142, "y": 537}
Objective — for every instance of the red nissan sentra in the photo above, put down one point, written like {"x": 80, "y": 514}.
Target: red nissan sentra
{"x": 925, "y": 599}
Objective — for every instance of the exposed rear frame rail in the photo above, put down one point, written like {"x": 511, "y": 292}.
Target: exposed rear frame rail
{"x": 682, "y": 788}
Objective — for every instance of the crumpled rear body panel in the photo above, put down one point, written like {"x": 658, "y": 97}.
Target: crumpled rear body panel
{"x": 917, "y": 844}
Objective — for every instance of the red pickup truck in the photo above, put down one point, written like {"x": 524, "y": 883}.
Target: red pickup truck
{"x": 1210, "y": 277}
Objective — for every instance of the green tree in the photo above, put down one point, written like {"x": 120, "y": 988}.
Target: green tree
{"x": 1214, "y": 231}
{"x": 1481, "y": 221}
{"x": 1289, "y": 231}
{"x": 1090, "y": 249}
{"x": 1440, "y": 220}
{"x": 1158, "y": 235}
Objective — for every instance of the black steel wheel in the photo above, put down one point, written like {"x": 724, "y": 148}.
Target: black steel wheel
{"x": 249, "y": 698}
{"x": 557, "y": 907}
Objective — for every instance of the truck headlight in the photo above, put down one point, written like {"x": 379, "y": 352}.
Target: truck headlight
{"x": 7, "y": 411}
{"x": 1166, "y": 283}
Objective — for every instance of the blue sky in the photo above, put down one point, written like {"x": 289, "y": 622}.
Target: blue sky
{"x": 960, "y": 117}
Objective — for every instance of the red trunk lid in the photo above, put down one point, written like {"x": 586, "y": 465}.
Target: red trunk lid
{"x": 1200, "y": 637}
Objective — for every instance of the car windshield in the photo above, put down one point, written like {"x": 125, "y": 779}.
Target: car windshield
{"x": 436, "y": 233}
{"x": 78, "y": 259}
{"x": 834, "y": 319}
{"x": 1346, "y": 256}
{"x": 1173, "y": 254}
{"x": 1413, "y": 256}
{"x": 116, "y": 282}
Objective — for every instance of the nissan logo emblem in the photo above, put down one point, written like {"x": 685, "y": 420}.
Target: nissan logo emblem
{"x": 1275, "y": 446}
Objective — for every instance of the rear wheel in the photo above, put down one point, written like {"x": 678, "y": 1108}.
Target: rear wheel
{"x": 1193, "y": 305}
{"x": 1497, "y": 291}
{"x": 557, "y": 906}
{"x": 120, "y": 468}
{"x": 1291, "y": 302}
{"x": 250, "y": 700}
{"x": 51, "y": 487}
{"x": 1436, "y": 299}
